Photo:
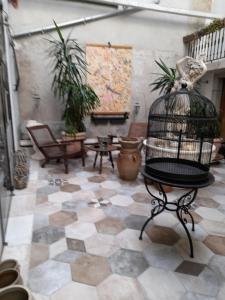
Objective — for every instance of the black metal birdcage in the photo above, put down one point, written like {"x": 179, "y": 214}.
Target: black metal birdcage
{"x": 181, "y": 129}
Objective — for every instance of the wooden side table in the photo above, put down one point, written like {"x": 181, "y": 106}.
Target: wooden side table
{"x": 102, "y": 151}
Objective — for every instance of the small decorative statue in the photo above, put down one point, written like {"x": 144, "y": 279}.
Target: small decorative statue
{"x": 190, "y": 71}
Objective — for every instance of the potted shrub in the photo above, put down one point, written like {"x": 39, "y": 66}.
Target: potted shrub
{"x": 69, "y": 69}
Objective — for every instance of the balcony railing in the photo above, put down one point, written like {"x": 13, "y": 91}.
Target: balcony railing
{"x": 212, "y": 45}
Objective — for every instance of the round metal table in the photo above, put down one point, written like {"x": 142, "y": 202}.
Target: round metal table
{"x": 181, "y": 206}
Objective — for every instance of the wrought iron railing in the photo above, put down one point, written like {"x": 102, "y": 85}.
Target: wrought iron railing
{"x": 212, "y": 45}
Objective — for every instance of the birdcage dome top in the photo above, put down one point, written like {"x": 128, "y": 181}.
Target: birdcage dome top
{"x": 183, "y": 104}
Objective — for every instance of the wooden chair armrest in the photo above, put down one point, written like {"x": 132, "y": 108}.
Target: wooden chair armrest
{"x": 53, "y": 145}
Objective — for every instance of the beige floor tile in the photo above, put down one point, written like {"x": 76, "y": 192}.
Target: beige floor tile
{"x": 75, "y": 290}
{"x": 118, "y": 287}
{"x": 210, "y": 214}
{"x": 129, "y": 239}
{"x": 161, "y": 285}
{"x": 91, "y": 215}
{"x": 202, "y": 254}
{"x": 101, "y": 244}
{"x": 80, "y": 230}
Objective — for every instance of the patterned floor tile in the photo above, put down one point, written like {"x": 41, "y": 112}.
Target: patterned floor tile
{"x": 48, "y": 277}
{"x": 135, "y": 221}
{"x": 206, "y": 202}
{"x": 105, "y": 193}
{"x": 110, "y": 226}
{"x": 48, "y": 234}
{"x": 116, "y": 212}
{"x": 217, "y": 265}
{"x": 166, "y": 220}
{"x": 101, "y": 244}
{"x": 57, "y": 248}
{"x": 89, "y": 214}
{"x": 70, "y": 188}
{"x": 80, "y": 230}
{"x": 162, "y": 235}
{"x": 39, "y": 254}
{"x": 197, "y": 218}
{"x": 198, "y": 234}
{"x": 47, "y": 190}
{"x": 162, "y": 256}
{"x": 216, "y": 244}
{"x": 90, "y": 269}
{"x": 40, "y": 220}
{"x": 117, "y": 287}
{"x": 68, "y": 256}
{"x": 121, "y": 200}
{"x": 109, "y": 184}
{"x": 210, "y": 214}
{"x": 96, "y": 179}
{"x": 76, "y": 245}
{"x": 190, "y": 268}
{"x": 164, "y": 284}
{"x": 194, "y": 296}
{"x": 129, "y": 239}
{"x": 142, "y": 197}
{"x": 76, "y": 290}
{"x": 112, "y": 234}
{"x": 202, "y": 254}
{"x": 213, "y": 227}
{"x": 128, "y": 263}
{"x": 62, "y": 218}
{"x": 74, "y": 205}
{"x": 59, "y": 197}
{"x": 141, "y": 209}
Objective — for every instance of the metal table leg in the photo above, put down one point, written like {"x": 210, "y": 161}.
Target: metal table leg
{"x": 181, "y": 207}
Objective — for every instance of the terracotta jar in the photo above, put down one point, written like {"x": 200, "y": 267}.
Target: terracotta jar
{"x": 129, "y": 158}
{"x": 9, "y": 264}
{"x": 10, "y": 277}
{"x": 15, "y": 292}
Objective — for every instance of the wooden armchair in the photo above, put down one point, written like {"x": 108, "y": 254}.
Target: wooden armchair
{"x": 53, "y": 149}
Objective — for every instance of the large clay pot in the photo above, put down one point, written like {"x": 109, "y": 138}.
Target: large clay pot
{"x": 10, "y": 277}
{"x": 129, "y": 158}
{"x": 15, "y": 292}
{"x": 9, "y": 264}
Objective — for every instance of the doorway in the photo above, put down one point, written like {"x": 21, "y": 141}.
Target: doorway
{"x": 222, "y": 112}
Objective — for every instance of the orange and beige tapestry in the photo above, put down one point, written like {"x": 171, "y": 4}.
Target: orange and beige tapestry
{"x": 110, "y": 71}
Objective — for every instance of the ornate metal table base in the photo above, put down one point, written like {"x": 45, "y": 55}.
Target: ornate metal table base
{"x": 181, "y": 207}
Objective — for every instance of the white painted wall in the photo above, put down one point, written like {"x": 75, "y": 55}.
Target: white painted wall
{"x": 152, "y": 36}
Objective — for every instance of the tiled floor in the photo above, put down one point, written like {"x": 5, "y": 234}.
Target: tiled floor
{"x": 76, "y": 237}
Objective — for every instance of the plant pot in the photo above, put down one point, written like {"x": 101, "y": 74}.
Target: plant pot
{"x": 217, "y": 142}
{"x": 9, "y": 264}
{"x": 16, "y": 292}
{"x": 129, "y": 158}
{"x": 10, "y": 277}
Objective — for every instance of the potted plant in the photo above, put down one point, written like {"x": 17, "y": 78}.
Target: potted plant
{"x": 69, "y": 69}
{"x": 166, "y": 80}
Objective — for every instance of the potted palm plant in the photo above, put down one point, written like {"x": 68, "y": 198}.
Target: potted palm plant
{"x": 69, "y": 69}
{"x": 165, "y": 82}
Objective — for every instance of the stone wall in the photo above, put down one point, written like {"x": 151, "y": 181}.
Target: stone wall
{"x": 152, "y": 36}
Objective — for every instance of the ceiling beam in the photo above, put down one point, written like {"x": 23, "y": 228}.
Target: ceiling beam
{"x": 143, "y": 4}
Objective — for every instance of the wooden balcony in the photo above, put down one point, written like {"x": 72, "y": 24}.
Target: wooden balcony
{"x": 212, "y": 45}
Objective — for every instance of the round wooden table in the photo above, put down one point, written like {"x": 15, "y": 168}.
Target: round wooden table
{"x": 102, "y": 151}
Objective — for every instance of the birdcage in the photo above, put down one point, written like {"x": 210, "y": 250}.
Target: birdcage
{"x": 181, "y": 129}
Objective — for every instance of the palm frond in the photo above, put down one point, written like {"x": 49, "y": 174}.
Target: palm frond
{"x": 165, "y": 80}
{"x": 70, "y": 68}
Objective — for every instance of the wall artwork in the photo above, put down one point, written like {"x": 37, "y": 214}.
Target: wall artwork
{"x": 110, "y": 71}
